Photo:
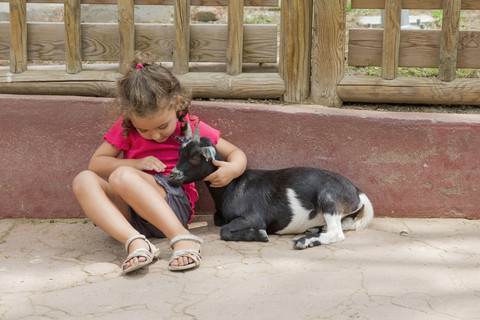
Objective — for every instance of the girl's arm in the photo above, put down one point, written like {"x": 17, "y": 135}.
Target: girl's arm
{"x": 234, "y": 165}
{"x": 105, "y": 160}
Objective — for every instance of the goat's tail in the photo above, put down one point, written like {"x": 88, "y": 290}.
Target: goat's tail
{"x": 365, "y": 216}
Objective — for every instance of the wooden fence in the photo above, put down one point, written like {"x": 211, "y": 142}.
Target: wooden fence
{"x": 242, "y": 50}
{"x": 309, "y": 63}
{"x": 446, "y": 49}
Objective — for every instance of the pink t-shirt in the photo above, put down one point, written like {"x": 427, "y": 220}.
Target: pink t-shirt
{"x": 136, "y": 147}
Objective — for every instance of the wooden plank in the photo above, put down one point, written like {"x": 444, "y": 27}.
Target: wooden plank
{"x": 194, "y": 67}
{"x": 328, "y": 51}
{"x": 295, "y": 47}
{"x": 126, "y": 25}
{"x": 250, "y": 3}
{"x": 409, "y": 90}
{"x": 235, "y": 37}
{"x": 18, "y": 36}
{"x": 391, "y": 39}
{"x": 413, "y": 4}
{"x": 102, "y": 83}
{"x": 418, "y": 48}
{"x": 58, "y": 76}
{"x": 101, "y": 42}
{"x": 73, "y": 36}
{"x": 244, "y": 85}
{"x": 71, "y": 88}
{"x": 449, "y": 40}
{"x": 181, "y": 50}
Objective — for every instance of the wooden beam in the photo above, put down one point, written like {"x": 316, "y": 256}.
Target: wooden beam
{"x": 413, "y": 4}
{"x": 181, "y": 50}
{"x": 73, "y": 36}
{"x": 103, "y": 83}
{"x": 18, "y": 36}
{"x": 391, "y": 38}
{"x": 126, "y": 24}
{"x": 242, "y": 86}
{"x": 250, "y": 3}
{"x": 418, "y": 48}
{"x": 412, "y": 90}
{"x": 328, "y": 51}
{"x": 449, "y": 41}
{"x": 101, "y": 42}
{"x": 295, "y": 48}
{"x": 235, "y": 37}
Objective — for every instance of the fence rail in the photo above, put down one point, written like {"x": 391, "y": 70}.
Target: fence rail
{"x": 245, "y": 61}
{"x": 447, "y": 49}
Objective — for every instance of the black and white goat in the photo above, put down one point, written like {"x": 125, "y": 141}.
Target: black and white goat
{"x": 287, "y": 201}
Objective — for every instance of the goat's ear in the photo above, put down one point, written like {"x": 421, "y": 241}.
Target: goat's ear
{"x": 189, "y": 131}
{"x": 208, "y": 153}
{"x": 196, "y": 134}
{"x": 179, "y": 139}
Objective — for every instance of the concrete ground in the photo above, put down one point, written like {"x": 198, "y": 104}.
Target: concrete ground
{"x": 397, "y": 269}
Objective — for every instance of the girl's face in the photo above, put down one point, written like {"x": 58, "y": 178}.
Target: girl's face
{"x": 157, "y": 127}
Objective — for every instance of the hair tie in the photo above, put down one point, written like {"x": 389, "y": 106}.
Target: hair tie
{"x": 139, "y": 66}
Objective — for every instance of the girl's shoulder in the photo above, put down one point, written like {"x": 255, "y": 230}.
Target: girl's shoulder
{"x": 118, "y": 135}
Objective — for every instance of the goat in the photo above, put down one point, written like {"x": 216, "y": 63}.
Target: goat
{"x": 286, "y": 201}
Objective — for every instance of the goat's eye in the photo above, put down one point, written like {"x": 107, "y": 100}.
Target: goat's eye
{"x": 195, "y": 159}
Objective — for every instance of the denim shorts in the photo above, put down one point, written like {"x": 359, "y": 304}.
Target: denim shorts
{"x": 177, "y": 200}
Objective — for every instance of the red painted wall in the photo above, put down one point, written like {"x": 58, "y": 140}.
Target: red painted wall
{"x": 409, "y": 164}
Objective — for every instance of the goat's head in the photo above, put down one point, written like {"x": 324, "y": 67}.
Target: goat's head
{"x": 195, "y": 157}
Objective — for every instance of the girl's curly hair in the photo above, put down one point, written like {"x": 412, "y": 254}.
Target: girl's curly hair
{"x": 147, "y": 88}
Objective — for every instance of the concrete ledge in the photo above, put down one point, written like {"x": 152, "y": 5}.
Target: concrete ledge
{"x": 409, "y": 164}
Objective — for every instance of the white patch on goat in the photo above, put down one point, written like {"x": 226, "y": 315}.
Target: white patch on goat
{"x": 333, "y": 234}
{"x": 300, "y": 216}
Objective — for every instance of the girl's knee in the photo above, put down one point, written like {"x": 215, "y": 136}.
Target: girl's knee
{"x": 83, "y": 181}
{"x": 122, "y": 177}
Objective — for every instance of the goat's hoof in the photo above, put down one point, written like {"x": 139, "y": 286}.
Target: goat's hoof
{"x": 262, "y": 235}
{"x": 299, "y": 244}
{"x": 310, "y": 240}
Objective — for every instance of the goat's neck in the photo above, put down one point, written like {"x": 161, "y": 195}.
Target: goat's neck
{"x": 218, "y": 194}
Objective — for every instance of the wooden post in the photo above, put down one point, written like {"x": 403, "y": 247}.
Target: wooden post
{"x": 449, "y": 41}
{"x": 181, "y": 51}
{"x": 391, "y": 38}
{"x": 18, "y": 36}
{"x": 328, "y": 51}
{"x": 295, "y": 48}
{"x": 235, "y": 37}
{"x": 73, "y": 36}
{"x": 126, "y": 22}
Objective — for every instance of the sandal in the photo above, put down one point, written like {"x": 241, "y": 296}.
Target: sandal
{"x": 149, "y": 255}
{"x": 189, "y": 253}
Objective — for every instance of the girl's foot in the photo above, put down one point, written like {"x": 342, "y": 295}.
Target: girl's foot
{"x": 186, "y": 253}
{"x": 135, "y": 245}
{"x": 141, "y": 253}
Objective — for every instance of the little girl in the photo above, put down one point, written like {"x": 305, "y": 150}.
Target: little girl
{"x": 129, "y": 197}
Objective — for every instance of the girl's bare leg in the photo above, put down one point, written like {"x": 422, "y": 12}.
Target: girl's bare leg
{"x": 104, "y": 207}
{"x": 141, "y": 191}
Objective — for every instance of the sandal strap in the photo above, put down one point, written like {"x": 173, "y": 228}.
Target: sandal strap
{"x": 140, "y": 253}
{"x": 189, "y": 253}
{"x": 189, "y": 237}
{"x": 152, "y": 249}
{"x": 135, "y": 237}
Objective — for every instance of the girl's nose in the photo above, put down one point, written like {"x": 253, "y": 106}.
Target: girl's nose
{"x": 156, "y": 136}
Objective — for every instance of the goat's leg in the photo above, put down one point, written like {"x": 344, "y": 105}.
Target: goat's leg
{"x": 218, "y": 219}
{"x": 333, "y": 234}
{"x": 348, "y": 224}
{"x": 240, "y": 229}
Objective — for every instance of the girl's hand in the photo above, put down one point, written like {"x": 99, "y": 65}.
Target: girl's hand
{"x": 150, "y": 163}
{"x": 225, "y": 173}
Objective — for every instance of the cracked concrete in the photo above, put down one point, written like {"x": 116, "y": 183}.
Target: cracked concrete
{"x": 396, "y": 269}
